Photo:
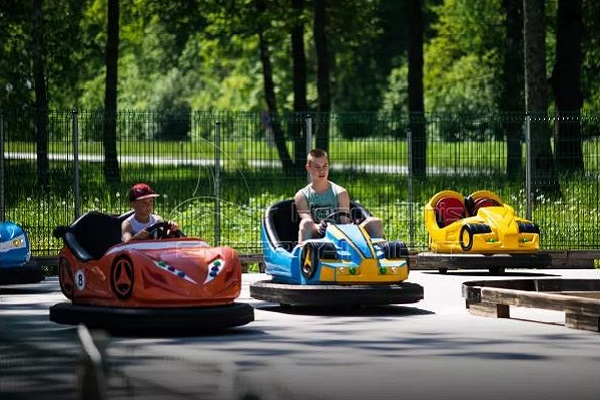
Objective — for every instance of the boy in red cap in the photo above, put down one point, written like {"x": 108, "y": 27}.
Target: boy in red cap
{"x": 141, "y": 198}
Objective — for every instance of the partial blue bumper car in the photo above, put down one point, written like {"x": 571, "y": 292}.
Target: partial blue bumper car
{"x": 15, "y": 252}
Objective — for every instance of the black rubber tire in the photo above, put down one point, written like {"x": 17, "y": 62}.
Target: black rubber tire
{"x": 336, "y": 295}
{"x": 480, "y": 228}
{"x": 386, "y": 248}
{"x": 153, "y": 321}
{"x": 528, "y": 227}
{"x": 403, "y": 248}
{"x": 466, "y": 243}
{"x": 394, "y": 250}
{"x": 309, "y": 270}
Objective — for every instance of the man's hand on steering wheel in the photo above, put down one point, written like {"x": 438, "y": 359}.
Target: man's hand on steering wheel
{"x": 333, "y": 218}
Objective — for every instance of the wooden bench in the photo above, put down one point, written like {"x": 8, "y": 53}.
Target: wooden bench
{"x": 579, "y": 299}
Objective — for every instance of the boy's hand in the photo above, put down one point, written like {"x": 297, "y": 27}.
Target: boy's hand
{"x": 322, "y": 228}
{"x": 141, "y": 235}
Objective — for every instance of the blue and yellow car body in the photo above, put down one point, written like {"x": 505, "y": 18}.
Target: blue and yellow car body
{"x": 346, "y": 255}
{"x": 479, "y": 223}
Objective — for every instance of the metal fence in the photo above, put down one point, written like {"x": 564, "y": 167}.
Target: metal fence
{"x": 178, "y": 154}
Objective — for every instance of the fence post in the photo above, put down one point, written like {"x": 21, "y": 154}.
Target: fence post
{"x": 528, "y": 164}
{"x": 308, "y": 140}
{"x": 217, "y": 185}
{"x": 2, "y": 210}
{"x": 411, "y": 219}
{"x": 76, "y": 190}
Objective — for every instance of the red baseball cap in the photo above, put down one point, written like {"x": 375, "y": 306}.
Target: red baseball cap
{"x": 141, "y": 191}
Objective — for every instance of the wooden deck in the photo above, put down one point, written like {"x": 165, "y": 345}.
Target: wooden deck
{"x": 579, "y": 299}
{"x": 497, "y": 263}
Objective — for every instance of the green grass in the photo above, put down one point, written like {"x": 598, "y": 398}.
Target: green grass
{"x": 188, "y": 191}
{"x": 483, "y": 156}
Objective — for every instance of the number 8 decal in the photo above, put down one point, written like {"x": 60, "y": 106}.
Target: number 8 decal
{"x": 80, "y": 280}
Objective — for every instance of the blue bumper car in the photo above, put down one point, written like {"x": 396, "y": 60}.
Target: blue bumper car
{"x": 345, "y": 267}
{"x": 15, "y": 252}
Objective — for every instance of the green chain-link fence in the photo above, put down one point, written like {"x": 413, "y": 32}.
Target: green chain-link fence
{"x": 370, "y": 154}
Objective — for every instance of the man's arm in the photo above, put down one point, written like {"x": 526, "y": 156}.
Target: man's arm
{"x": 302, "y": 206}
{"x": 127, "y": 233}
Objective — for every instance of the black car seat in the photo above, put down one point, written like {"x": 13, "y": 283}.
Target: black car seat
{"x": 281, "y": 223}
{"x": 92, "y": 234}
{"x": 474, "y": 204}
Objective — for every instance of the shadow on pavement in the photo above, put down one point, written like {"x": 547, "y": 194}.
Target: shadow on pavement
{"x": 32, "y": 288}
{"x": 358, "y": 311}
{"x": 487, "y": 273}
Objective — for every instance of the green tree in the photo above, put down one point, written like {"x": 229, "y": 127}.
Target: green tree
{"x": 566, "y": 81}
{"x": 299, "y": 77}
{"x": 462, "y": 59}
{"x": 269, "y": 89}
{"x": 16, "y": 91}
{"x": 111, "y": 162}
{"x": 590, "y": 68}
{"x": 543, "y": 172}
{"x": 416, "y": 105}
{"x": 511, "y": 99}
{"x": 323, "y": 73}
{"x": 41, "y": 103}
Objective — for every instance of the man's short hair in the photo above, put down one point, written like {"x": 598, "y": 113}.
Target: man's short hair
{"x": 316, "y": 153}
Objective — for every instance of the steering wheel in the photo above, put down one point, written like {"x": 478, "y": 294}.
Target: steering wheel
{"x": 162, "y": 230}
{"x": 334, "y": 216}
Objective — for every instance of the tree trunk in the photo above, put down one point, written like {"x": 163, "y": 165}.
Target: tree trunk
{"x": 41, "y": 102}
{"x": 566, "y": 83}
{"x": 512, "y": 95}
{"x": 416, "y": 105}
{"x": 299, "y": 78}
{"x": 109, "y": 139}
{"x": 323, "y": 79}
{"x": 543, "y": 172}
{"x": 269, "y": 87}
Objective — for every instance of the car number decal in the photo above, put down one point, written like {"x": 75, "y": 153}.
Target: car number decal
{"x": 80, "y": 280}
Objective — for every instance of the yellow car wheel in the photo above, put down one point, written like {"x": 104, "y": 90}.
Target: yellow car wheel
{"x": 466, "y": 238}
{"x": 310, "y": 260}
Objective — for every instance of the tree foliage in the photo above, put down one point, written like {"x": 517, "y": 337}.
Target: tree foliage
{"x": 205, "y": 55}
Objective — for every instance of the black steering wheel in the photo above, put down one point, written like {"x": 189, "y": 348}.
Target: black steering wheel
{"x": 162, "y": 230}
{"x": 334, "y": 216}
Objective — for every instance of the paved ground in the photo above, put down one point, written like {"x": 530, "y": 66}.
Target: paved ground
{"x": 433, "y": 349}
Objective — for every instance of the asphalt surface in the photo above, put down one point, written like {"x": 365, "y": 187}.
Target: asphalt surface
{"x": 433, "y": 349}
